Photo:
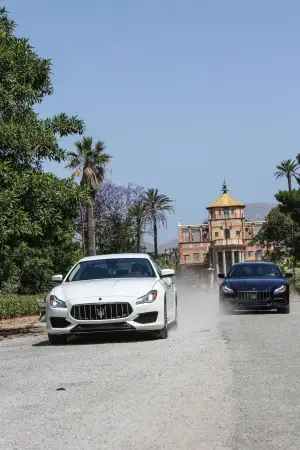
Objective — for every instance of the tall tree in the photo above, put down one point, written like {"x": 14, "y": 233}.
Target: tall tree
{"x": 91, "y": 162}
{"x": 37, "y": 210}
{"x": 157, "y": 206}
{"x": 113, "y": 223}
{"x": 138, "y": 212}
{"x": 287, "y": 169}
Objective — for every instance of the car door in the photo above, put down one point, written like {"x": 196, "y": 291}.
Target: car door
{"x": 168, "y": 283}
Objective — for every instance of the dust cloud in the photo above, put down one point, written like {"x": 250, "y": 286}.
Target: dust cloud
{"x": 198, "y": 305}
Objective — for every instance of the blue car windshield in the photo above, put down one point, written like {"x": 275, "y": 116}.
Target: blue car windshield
{"x": 254, "y": 271}
{"x": 112, "y": 268}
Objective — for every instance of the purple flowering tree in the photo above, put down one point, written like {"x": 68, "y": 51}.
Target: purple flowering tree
{"x": 114, "y": 226}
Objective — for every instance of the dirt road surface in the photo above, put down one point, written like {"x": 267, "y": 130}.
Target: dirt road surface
{"x": 217, "y": 383}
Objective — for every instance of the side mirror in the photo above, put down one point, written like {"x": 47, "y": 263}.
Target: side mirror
{"x": 221, "y": 275}
{"x": 288, "y": 275}
{"x": 166, "y": 273}
{"x": 57, "y": 278}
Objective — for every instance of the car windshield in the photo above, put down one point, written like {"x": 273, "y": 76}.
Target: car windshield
{"x": 254, "y": 271}
{"x": 112, "y": 268}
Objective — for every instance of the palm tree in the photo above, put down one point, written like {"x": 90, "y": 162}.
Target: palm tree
{"x": 157, "y": 205}
{"x": 138, "y": 212}
{"x": 91, "y": 161}
{"x": 288, "y": 170}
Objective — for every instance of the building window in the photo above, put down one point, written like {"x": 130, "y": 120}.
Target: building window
{"x": 258, "y": 255}
{"x": 216, "y": 234}
{"x": 186, "y": 236}
{"x": 204, "y": 255}
{"x": 196, "y": 236}
{"x": 186, "y": 257}
{"x": 196, "y": 258}
{"x": 226, "y": 212}
{"x": 227, "y": 234}
{"x": 250, "y": 253}
{"x": 238, "y": 233}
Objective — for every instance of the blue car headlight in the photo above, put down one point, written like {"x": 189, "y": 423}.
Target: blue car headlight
{"x": 227, "y": 290}
{"x": 56, "y": 302}
{"x": 280, "y": 289}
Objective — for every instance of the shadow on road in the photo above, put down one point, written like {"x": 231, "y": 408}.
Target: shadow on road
{"x": 106, "y": 338}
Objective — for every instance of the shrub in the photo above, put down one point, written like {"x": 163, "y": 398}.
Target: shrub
{"x": 12, "y": 305}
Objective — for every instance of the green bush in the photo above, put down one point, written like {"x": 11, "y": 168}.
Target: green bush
{"x": 12, "y": 305}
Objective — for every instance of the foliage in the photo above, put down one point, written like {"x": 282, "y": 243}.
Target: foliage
{"x": 288, "y": 169}
{"x": 114, "y": 227}
{"x": 138, "y": 213}
{"x": 37, "y": 209}
{"x": 18, "y": 305}
{"x": 25, "y": 138}
{"x": 279, "y": 235}
{"x": 157, "y": 205}
{"x": 91, "y": 161}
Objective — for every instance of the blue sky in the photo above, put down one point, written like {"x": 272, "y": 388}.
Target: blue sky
{"x": 182, "y": 92}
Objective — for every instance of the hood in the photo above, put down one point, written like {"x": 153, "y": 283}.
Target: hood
{"x": 256, "y": 284}
{"x": 111, "y": 287}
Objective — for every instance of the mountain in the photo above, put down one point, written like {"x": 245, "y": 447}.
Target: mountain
{"x": 258, "y": 211}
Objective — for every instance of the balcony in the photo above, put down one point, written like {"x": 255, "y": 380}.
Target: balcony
{"x": 228, "y": 242}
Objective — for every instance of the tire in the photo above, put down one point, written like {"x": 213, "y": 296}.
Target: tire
{"x": 285, "y": 310}
{"x": 176, "y": 311}
{"x": 163, "y": 333}
{"x": 57, "y": 339}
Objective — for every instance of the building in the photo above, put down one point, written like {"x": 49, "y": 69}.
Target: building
{"x": 220, "y": 241}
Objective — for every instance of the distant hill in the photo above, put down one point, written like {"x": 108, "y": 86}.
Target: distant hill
{"x": 258, "y": 211}
{"x": 161, "y": 247}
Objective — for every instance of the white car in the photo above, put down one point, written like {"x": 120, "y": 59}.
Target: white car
{"x": 121, "y": 292}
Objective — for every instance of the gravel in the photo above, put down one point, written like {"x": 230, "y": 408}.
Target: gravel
{"x": 215, "y": 383}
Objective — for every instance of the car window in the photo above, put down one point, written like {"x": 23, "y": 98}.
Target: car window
{"x": 254, "y": 271}
{"x": 112, "y": 268}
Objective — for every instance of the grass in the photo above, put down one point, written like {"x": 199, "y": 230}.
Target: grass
{"x": 13, "y": 305}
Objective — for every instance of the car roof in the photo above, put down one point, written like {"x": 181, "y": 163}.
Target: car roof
{"x": 115, "y": 256}
{"x": 245, "y": 263}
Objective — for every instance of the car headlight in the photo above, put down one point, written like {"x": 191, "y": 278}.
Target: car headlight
{"x": 148, "y": 298}
{"x": 227, "y": 290}
{"x": 280, "y": 289}
{"x": 56, "y": 302}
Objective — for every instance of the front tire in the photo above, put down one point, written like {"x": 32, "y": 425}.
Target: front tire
{"x": 163, "y": 333}
{"x": 57, "y": 339}
{"x": 285, "y": 310}
{"x": 176, "y": 311}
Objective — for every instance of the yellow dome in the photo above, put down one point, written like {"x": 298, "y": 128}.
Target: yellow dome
{"x": 224, "y": 201}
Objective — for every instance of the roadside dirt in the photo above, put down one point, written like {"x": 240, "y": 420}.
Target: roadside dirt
{"x": 21, "y": 325}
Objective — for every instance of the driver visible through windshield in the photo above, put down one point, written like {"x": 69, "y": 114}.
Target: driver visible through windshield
{"x": 112, "y": 268}
{"x": 254, "y": 271}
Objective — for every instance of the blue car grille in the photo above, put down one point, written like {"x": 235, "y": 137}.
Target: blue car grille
{"x": 254, "y": 296}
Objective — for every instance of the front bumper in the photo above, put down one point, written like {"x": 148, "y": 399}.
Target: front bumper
{"x": 145, "y": 317}
{"x": 273, "y": 302}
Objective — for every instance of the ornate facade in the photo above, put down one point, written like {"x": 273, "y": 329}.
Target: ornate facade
{"x": 222, "y": 240}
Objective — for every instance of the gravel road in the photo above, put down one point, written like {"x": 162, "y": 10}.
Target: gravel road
{"x": 216, "y": 383}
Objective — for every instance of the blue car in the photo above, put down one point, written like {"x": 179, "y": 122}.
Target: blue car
{"x": 254, "y": 286}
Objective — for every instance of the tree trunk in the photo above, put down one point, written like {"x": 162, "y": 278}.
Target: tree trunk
{"x": 155, "y": 236}
{"x": 289, "y": 182}
{"x": 91, "y": 239}
{"x": 138, "y": 236}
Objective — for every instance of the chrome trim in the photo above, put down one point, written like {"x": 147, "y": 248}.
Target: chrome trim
{"x": 254, "y": 296}
{"x": 101, "y": 311}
